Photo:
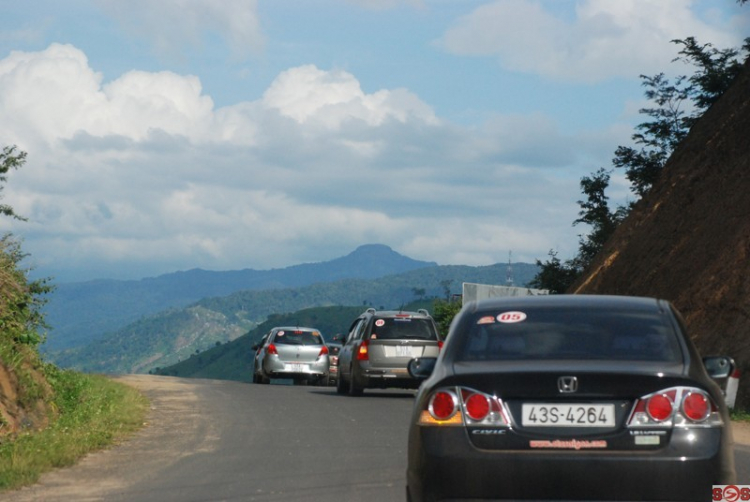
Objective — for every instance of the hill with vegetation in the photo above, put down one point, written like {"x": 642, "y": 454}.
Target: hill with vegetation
{"x": 168, "y": 337}
{"x": 234, "y": 360}
{"x": 688, "y": 239}
{"x": 81, "y": 312}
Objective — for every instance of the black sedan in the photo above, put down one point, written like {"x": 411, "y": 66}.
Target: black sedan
{"x": 569, "y": 397}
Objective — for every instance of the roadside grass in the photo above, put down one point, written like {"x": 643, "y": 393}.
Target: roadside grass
{"x": 94, "y": 412}
{"x": 740, "y": 415}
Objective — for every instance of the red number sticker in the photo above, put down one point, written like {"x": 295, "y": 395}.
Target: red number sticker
{"x": 511, "y": 317}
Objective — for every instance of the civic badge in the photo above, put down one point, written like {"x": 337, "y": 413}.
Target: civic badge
{"x": 567, "y": 384}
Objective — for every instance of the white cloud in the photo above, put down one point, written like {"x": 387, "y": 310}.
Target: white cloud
{"x": 606, "y": 39}
{"x": 144, "y": 172}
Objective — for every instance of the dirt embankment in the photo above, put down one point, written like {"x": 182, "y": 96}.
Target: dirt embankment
{"x": 688, "y": 240}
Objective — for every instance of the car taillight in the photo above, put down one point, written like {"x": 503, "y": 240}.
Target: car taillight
{"x": 323, "y": 351}
{"x": 362, "y": 351}
{"x": 459, "y": 406}
{"x": 676, "y": 406}
{"x": 271, "y": 350}
{"x": 696, "y": 406}
{"x": 443, "y": 405}
{"x": 659, "y": 407}
{"x": 477, "y": 406}
{"x": 440, "y": 344}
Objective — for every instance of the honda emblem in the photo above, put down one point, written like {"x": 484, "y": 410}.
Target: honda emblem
{"x": 567, "y": 384}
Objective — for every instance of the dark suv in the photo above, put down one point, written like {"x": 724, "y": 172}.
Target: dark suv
{"x": 380, "y": 345}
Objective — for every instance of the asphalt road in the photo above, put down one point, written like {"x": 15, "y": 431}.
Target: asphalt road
{"x": 210, "y": 440}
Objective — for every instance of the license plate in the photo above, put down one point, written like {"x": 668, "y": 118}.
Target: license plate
{"x": 403, "y": 351}
{"x": 296, "y": 367}
{"x": 568, "y": 415}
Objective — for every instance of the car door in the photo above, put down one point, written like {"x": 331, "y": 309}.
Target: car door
{"x": 347, "y": 350}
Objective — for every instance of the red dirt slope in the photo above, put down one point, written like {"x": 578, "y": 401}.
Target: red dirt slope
{"x": 688, "y": 240}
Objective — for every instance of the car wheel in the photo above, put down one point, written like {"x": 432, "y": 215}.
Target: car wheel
{"x": 341, "y": 385}
{"x": 354, "y": 389}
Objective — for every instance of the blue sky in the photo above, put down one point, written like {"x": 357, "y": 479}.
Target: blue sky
{"x": 174, "y": 134}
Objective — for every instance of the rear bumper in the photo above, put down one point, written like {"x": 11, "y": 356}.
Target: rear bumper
{"x": 275, "y": 368}
{"x": 443, "y": 465}
{"x": 369, "y": 377}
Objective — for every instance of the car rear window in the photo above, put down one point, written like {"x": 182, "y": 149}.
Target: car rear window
{"x": 300, "y": 337}
{"x": 556, "y": 333}
{"x": 403, "y": 328}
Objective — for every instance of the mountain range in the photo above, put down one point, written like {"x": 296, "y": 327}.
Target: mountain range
{"x": 83, "y": 311}
{"x": 129, "y": 327}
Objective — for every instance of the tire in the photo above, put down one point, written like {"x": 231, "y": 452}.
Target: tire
{"x": 341, "y": 385}
{"x": 354, "y": 389}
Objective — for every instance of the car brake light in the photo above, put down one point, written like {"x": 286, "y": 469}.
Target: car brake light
{"x": 659, "y": 407}
{"x": 459, "y": 406}
{"x": 443, "y": 405}
{"x": 440, "y": 344}
{"x": 676, "y": 406}
{"x": 323, "y": 351}
{"x": 696, "y": 406}
{"x": 362, "y": 352}
{"x": 271, "y": 350}
{"x": 477, "y": 407}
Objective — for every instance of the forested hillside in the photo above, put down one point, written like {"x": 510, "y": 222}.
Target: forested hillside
{"x": 233, "y": 360}
{"x": 169, "y": 337}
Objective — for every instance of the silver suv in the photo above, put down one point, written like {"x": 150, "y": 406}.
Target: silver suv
{"x": 380, "y": 345}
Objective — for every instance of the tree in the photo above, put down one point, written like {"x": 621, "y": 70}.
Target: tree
{"x": 678, "y": 105}
{"x": 557, "y": 276}
{"x": 10, "y": 158}
{"x": 419, "y": 292}
{"x": 595, "y": 212}
{"x": 444, "y": 312}
{"x": 554, "y": 275}
{"x": 446, "y": 285}
{"x": 670, "y": 121}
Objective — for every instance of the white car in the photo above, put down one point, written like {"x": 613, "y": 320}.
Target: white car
{"x": 293, "y": 353}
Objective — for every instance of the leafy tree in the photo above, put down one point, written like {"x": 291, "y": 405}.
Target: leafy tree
{"x": 21, "y": 300}
{"x": 554, "y": 275}
{"x": 10, "y": 158}
{"x": 443, "y": 312}
{"x": 419, "y": 292}
{"x": 678, "y": 105}
{"x": 595, "y": 212}
{"x": 446, "y": 285}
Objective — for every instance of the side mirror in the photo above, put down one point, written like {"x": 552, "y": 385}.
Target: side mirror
{"x": 421, "y": 367}
{"x": 719, "y": 367}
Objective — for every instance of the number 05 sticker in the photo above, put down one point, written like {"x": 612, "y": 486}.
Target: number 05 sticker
{"x": 511, "y": 317}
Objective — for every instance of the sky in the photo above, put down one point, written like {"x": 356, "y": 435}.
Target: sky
{"x": 177, "y": 134}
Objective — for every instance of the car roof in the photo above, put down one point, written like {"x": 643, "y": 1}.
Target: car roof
{"x": 394, "y": 313}
{"x": 570, "y": 300}
{"x": 293, "y": 328}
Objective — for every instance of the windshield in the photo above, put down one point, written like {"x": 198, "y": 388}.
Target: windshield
{"x": 559, "y": 333}
{"x": 403, "y": 328}
{"x": 298, "y": 337}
